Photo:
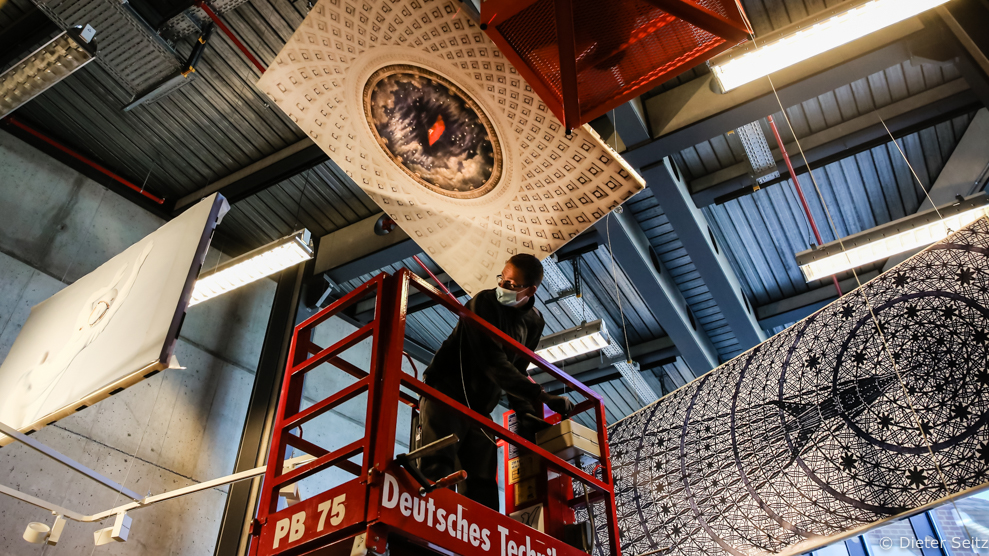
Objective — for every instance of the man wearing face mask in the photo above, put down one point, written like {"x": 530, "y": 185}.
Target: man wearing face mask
{"x": 474, "y": 369}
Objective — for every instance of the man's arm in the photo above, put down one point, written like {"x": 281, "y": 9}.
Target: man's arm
{"x": 494, "y": 358}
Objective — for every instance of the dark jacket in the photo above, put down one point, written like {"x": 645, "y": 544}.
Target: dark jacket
{"x": 488, "y": 368}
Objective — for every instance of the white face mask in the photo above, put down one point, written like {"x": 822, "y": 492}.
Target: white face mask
{"x": 508, "y": 297}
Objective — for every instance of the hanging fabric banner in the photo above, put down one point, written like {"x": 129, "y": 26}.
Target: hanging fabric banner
{"x": 873, "y": 408}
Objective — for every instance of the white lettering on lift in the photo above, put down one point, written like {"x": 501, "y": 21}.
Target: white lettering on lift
{"x": 336, "y": 516}
{"x": 298, "y": 527}
{"x": 281, "y": 529}
{"x": 295, "y": 527}
{"x": 455, "y": 523}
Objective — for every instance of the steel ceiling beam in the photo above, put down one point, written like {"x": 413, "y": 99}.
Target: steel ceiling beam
{"x": 694, "y": 112}
{"x": 270, "y": 170}
{"x": 708, "y": 256}
{"x": 965, "y": 21}
{"x": 965, "y": 173}
{"x": 630, "y": 123}
{"x": 632, "y": 250}
{"x": 372, "y": 262}
{"x": 909, "y": 115}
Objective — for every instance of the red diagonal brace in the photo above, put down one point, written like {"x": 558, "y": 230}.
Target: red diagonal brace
{"x": 704, "y": 18}
{"x": 568, "y": 64}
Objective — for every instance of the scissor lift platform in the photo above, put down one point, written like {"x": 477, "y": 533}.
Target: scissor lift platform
{"x": 383, "y": 508}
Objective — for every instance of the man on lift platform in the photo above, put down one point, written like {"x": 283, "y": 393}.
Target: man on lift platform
{"x": 474, "y": 369}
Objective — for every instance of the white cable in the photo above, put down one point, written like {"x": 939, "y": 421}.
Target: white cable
{"x": 868, "y": 302}
{"x": 460, "y": 355}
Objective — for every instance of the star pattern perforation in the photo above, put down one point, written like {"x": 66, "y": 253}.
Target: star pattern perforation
{"x": 819, "y": 430}
{"x": 561, "y": 185}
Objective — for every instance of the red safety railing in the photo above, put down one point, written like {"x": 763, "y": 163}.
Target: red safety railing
{"x": 383, "y": 499}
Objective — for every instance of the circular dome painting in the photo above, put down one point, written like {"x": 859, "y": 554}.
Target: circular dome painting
{"x": 433, "y": 130}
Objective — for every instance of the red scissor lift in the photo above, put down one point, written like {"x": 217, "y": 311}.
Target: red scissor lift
{"x": 383, "y": 501}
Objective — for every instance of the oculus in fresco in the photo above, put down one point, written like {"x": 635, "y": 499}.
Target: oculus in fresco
{"x": 433, "y": 130}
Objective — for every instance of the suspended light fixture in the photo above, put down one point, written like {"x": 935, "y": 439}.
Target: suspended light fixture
{"x": 898, "y": 236}
{"x": 748, "y": 63}
{"x": 253, "y": 266}
{"x": 586, "y": 338}
{"x": 46, "y": 66}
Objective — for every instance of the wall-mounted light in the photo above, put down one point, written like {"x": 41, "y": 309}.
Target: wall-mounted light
{"x": 45, "y": 67}
{"x": 253, "y": 266}
{"x": 747, "y": 63}
{"x": 898, "y": 236}
{"x": 586, "y": 338}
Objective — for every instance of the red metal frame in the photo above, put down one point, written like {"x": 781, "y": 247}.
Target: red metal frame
{"x": 369, "y": 503}
{"x": 567, "y": 103}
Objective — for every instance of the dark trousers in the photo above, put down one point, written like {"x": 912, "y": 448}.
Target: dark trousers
{"x": 475, "y": 453}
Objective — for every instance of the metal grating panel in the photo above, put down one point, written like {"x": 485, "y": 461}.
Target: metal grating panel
{"x": 620, "y": 51}
{"x": 129, "y": 50}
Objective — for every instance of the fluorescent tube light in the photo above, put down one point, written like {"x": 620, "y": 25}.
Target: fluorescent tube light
{"x": 45, "y": 67}
{"x": 253, "y": 266}
{"x": 898, "y": 236}
{"x": 572, "y": 342}
{"x": 815, "y": 39}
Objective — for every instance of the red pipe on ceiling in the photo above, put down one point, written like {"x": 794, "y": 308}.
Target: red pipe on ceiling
{"x": 800, "y": 193}
{"x": 230, "y": 34}
{"x": 10, "y": 120}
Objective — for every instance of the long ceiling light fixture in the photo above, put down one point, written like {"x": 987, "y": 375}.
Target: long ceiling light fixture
{"x": 748, "y": 63}
{"x": 46, "y": 66}
{"x": 253, "y": 266}
{"x": 586, "y": 338}
{"x": 898, "y": 236}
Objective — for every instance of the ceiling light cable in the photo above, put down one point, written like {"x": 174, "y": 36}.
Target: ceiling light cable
{"x": 618, "y": 293}
{"x": 302, "y": 196}
{"x": 875, "y": 320}
{"x": 865, "y": 297}
{"x": 912, "y": 171}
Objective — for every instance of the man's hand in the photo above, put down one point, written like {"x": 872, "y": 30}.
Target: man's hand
{"x": 559, "y": 404}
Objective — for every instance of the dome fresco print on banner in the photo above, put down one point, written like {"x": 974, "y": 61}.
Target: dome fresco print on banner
{"x": 820, "y": 430}
{"x": 419, "y": 107}
{"x": 433, "y": 130}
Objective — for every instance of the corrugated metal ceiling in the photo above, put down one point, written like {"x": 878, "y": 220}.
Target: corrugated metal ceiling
{"x": 825, "y": 111}
{"x": 219, "y": 123}
{"x": 764, "y": 230}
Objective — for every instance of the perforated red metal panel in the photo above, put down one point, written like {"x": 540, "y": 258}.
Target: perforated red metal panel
{"x": 621, "y": 48}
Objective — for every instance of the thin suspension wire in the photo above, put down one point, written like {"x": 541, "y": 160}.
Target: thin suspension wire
{"x": 912, "y": 171}
{"x": 618, "y": 292}
{"x": 614, "y": 276}
{"x": 134, "y": 457}
{"x": 302, "y": 196}
{"x": 868, "y": 301}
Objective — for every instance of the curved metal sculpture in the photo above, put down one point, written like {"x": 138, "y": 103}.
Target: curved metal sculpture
{"x": 831, "y": 426}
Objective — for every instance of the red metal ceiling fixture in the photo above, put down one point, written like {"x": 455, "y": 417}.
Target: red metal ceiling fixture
{"x": 585, "y": 57}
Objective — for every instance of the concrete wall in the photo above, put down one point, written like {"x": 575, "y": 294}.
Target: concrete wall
{"x": 172, "y": 430}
